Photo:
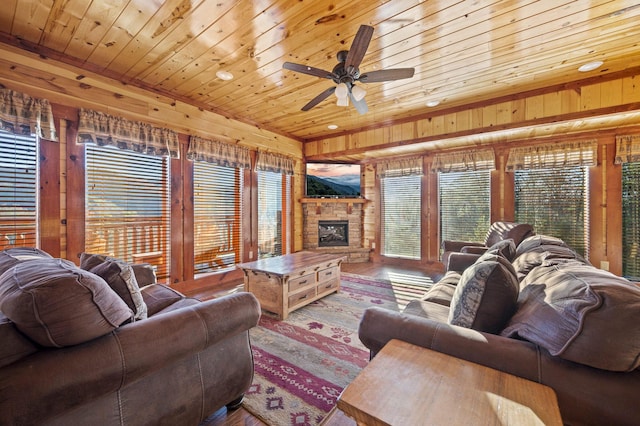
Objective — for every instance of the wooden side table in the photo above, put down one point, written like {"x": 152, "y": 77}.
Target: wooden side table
{"x": 283, "y": 284}
{"x": 408, "y": 385}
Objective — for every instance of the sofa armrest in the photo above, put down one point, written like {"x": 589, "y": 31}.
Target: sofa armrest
{"x": 474, "y": 249}
{"x": 460, "y": 261}
{"x": 53, "y": 381}
{"x": 452, "y": 245}
{"x": 378, "y": 326}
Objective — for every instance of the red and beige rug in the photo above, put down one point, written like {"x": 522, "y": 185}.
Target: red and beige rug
{"x": 303, "y": 363}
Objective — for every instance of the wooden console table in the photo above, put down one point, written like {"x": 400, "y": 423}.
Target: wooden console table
{"x": 283, "y": 284}
{"x": 408, "y": 385}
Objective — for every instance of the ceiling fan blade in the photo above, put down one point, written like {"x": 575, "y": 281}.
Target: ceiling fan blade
{"x": 361, "y": 105}
{"x": 305, "y": 69}
{"x": 386, "y": 75}
{"x": 321, "y": 97}
{"x": 358, "y": 48}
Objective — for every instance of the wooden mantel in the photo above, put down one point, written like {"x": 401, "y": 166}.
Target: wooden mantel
{"x": 350, "y": 202}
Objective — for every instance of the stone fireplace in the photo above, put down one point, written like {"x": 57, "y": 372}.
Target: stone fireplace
{"x": 335, "y": 226}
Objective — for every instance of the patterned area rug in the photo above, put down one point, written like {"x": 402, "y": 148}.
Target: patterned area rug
{"x": 303, "y": 363}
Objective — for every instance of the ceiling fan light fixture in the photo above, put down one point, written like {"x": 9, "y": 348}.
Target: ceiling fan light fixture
{"x": 358, "y": 93}
{"x": 343, "y": 101}
{"x": 433, "y": 103}
{"x": 342, "y": 91}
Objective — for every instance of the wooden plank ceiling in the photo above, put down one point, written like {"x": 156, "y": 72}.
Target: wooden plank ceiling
{"x": 462, "y": 51}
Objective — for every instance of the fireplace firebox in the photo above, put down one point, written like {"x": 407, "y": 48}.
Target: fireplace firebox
{"x": 333, "y": 233}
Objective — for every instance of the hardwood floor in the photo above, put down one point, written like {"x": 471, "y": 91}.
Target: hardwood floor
{"x": 242, "y": 417}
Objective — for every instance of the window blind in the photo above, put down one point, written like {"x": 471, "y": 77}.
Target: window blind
{"x": 273, "y": 211}
{"x": 127, "y": 206}
{"x": 631, "y": 220}
{"x": 555, "y": 202}
{"x": 217, "y": 214}
{"x": 18, "y": 190}
{"x": 465, "y": 205}
{"x": 401, "y": 225}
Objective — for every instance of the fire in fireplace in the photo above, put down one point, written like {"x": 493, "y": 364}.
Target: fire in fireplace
{"x": 333, "y": 233}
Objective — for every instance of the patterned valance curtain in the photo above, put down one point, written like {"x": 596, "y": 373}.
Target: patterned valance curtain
{"x": 569, "y": 154}
{"x": 104, "y": 129}
{"x": 464, "y": 161}
{"x": 23, "y": 115}
{"x": 275, "y": 163}
{"x": 221, "y": 154}
{"x": 400, "y": 167}
{"x": 627, "y": 149}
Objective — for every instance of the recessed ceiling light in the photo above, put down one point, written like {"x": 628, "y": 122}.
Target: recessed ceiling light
{"x": 432, "y": 104}
{"x": 332, "y": 126}
{"x": 590, "y": 66}
{"x": 224, "y": 75}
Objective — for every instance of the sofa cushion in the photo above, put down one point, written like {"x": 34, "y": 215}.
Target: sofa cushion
{"x": 486, "y": 296}
{"x": 542, "y": 250}
{"x": 505, "y": 248}
{"x": 159, "y": 297}
{"x": 57, "y": 304}
{"x": 504, "y": 230}
{"x": 580, "y": 313}
{"x": 11, "y": 256}
{"x": 425, "y": 309}
{"x": 121, "y": 278}
{"x": 442, "y": 291}
{"x": 14, "y": 344}
{"x": 535, "y": 241}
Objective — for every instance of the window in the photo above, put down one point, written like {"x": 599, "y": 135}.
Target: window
{"x": 127, "y": 206}
{"x": 18, "y": 190}
{"x": 631, "y": 220}
{"x": 217, "y": 211}
{"x": 401, "y": 201}
{"x": 555, "y": 202}
{"x": 273, "y": 211}
{"x": 465, "y": 205}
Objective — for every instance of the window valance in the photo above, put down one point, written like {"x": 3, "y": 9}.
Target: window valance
{"x": 569, "y": 154}
{"x": 464, "y": 161}
{"x": 400, "y": 167}
{"x": 275, "y": 163}
{"x": 104, "y": 129}
{"x": 23, "y": 115}
{"x": 219, "y": 153}
{"x": 627, "y": 149}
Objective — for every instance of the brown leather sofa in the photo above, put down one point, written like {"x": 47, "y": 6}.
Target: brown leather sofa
{"x": 96, "y": 358}
{"x": 538, "y": 311}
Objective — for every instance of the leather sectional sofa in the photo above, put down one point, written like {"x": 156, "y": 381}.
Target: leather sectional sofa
{"x": 538, "y": 311}
{"x": 105, "y": 345}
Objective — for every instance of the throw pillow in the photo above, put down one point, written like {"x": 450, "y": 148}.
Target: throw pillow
{"x": 580, "y": 313}
{"x": 486, "y": 296}
{"x": 505, "y": 248}
{"x": 120, "y": 277}
{"x": 11, "y": 256}
{"x": 57, "y": 304}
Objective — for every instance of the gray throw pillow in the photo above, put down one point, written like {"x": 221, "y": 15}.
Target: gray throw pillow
{"x": 486, "y": 296}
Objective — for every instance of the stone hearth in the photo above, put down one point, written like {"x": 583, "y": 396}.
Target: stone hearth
{"x": 350, "y": 210}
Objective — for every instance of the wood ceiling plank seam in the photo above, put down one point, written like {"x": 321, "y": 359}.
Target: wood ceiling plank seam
{"x": 279, "y": 65}
{"x": 120, "y": 34}
{"x": 7, "y": 18}
{"x": 141, "y": 49}
{"x": 92, "y": 29}
{"x": 183, "y": 45}
{"x": 30, "y": 19}
{"x": 209, "y": 55}
{"x": 62, "y": 24}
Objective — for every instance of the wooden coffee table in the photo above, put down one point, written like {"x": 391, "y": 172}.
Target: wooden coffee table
{"x": 283, "y": 284}
{"x": 408, "y": 385}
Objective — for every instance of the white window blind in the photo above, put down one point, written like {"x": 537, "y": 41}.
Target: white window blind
{"x": 18, "y": 190}
{"x": 217, "y": 216}
{"x": 401, "y": 207}
{"x": 464, "y": 205}
{"x": 273, "y": 211}
{"x": 631, "y": 220}
{"x": 555, "y": 201}
{"x": 127, "y": 206}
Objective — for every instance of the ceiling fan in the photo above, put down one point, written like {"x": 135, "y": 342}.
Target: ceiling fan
{"x": 346, "y": 73}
